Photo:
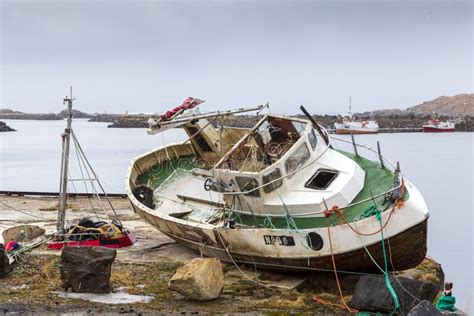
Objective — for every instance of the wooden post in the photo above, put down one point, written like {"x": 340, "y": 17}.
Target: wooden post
{"x": 354, "y": 144}
{"x": 380, "y": 155}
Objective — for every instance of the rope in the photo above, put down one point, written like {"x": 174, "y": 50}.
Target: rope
{"x": 23, "y": 212}
{"x": 387, "y": 280}
{"x": 96, "y": 177}
{"x": 350, "y": 310}
{"x": 337, "y": 210}
{"x": 237, "y": 266}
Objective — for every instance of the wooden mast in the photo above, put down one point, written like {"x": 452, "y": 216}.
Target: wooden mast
{"x": 66, "y": 138}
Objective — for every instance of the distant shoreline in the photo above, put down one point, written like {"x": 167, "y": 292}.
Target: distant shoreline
{"x": 394, "y": 123}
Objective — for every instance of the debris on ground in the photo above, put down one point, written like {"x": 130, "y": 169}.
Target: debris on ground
{"x": 108, "y": 298}
{"x": 22, "y": 233}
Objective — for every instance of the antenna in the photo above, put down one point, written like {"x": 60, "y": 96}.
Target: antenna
{"x": 350, "y": 105}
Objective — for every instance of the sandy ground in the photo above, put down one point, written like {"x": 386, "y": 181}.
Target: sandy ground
{"x": 145, "y": 268}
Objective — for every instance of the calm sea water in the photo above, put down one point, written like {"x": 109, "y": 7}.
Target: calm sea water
{"x": 440, "y": 165}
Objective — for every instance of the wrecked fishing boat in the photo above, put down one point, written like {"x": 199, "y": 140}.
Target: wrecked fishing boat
{"x": 277, "y": 195}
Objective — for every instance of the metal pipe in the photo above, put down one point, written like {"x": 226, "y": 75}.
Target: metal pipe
{"x": 354, "y": 144}
{"x": 315, "y": 125}
{"x": 380, "y": 155}
{"x": 64, "y": 164}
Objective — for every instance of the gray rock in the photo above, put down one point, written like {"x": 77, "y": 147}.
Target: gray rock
{"x": 87, "y": 269}
{"x": 424, "y": 308}
{"x": 22, "y": 233}
{"x": 199, "y": 279}
{"x": 372, "y": 295}
{"x": 5, "y": 267}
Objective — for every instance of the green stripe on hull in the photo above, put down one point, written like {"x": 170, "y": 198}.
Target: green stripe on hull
{"x": 157, "y": 174}
{"x": 377, "y": 180}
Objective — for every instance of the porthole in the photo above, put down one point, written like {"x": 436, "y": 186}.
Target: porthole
{"x": 314, "y": 241}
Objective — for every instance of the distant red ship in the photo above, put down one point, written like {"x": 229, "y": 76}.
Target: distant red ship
{"x": 434, "y": 125}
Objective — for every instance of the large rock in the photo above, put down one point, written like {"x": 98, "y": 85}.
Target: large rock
{"x": 22, "y": 233}
{"x": 5, "y": 268}
{"x": 87, "y": 269}
{"x": 199, "y": 279}
{"x": 372, "y": 295}
{"x": 428, "y": 270}
{"x": 424, "y": 308}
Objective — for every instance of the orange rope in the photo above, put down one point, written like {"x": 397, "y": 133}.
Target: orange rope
{"x": 328, "y": 304}
{"x": 336, "y": 210}
{"x": 350, "y": 310}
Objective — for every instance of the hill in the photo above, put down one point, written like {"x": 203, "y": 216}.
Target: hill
{"x": 461, "y": 104}
{"x": 458, "y": 105}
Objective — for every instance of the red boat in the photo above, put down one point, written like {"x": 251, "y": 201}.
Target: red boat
{"x": 126, "y": 240}
{"x": 434, "y": 125}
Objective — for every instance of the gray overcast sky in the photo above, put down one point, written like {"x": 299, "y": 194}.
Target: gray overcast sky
{"x": 149, "y": 55}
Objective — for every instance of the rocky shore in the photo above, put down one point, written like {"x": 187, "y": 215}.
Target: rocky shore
{"x": 5, "y": 128}
{"x": 145, "y": 270}
{"x": 8, "y": 114}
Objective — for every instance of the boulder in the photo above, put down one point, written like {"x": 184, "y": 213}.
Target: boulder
{"x": 424, "y": 308}
{"x": 200, "y": 279}
{"x": 22, "y": 233}
{"x": 372, "y": 295}
{"x": 428, "y": 270}
{"x": 5, "y": 268}
{"x": 87, "y": 269}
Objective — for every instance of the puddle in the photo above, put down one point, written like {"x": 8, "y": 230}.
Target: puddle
{"x": 110, "y": 298}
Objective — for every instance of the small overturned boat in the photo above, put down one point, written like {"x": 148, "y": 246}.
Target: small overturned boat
{"x": 351, "y": 125}
{"x": 277, "y": 195}
{"x": 434, "y": 125}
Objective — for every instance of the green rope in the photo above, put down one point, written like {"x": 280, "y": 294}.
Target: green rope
{"x": 446, "y": 303}
{"x": 268, "y": 222}
{"x": 368, "y": 212}
{"x": 290, "y": 222}
{"x": 387, "y": 280}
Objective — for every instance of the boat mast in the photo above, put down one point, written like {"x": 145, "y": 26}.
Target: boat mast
{"x": 350, "y": 106}
{"x": 66, "y": 137}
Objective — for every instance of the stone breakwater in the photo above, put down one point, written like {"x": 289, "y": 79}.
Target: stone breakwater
{"x": 386, "y": 123}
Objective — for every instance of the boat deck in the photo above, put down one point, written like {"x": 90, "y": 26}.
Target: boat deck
{"x": 172, "y": 197}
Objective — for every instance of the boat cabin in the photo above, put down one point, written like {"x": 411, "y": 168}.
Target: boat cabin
{"x": 281, "y": 163}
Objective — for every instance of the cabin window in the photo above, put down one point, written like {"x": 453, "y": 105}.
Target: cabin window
{"x": 199, "y": 139}
{"x": 272, "y": 176}
{"x": 295, "y": 161}
{"x": 247, "y": 184}
{"x": 321, "y": 179}
{"x": 312, "y": 139}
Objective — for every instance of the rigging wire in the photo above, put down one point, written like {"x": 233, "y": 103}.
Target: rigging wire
{"x": 97, "y": 179}
{"x": 24, "y": 212}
